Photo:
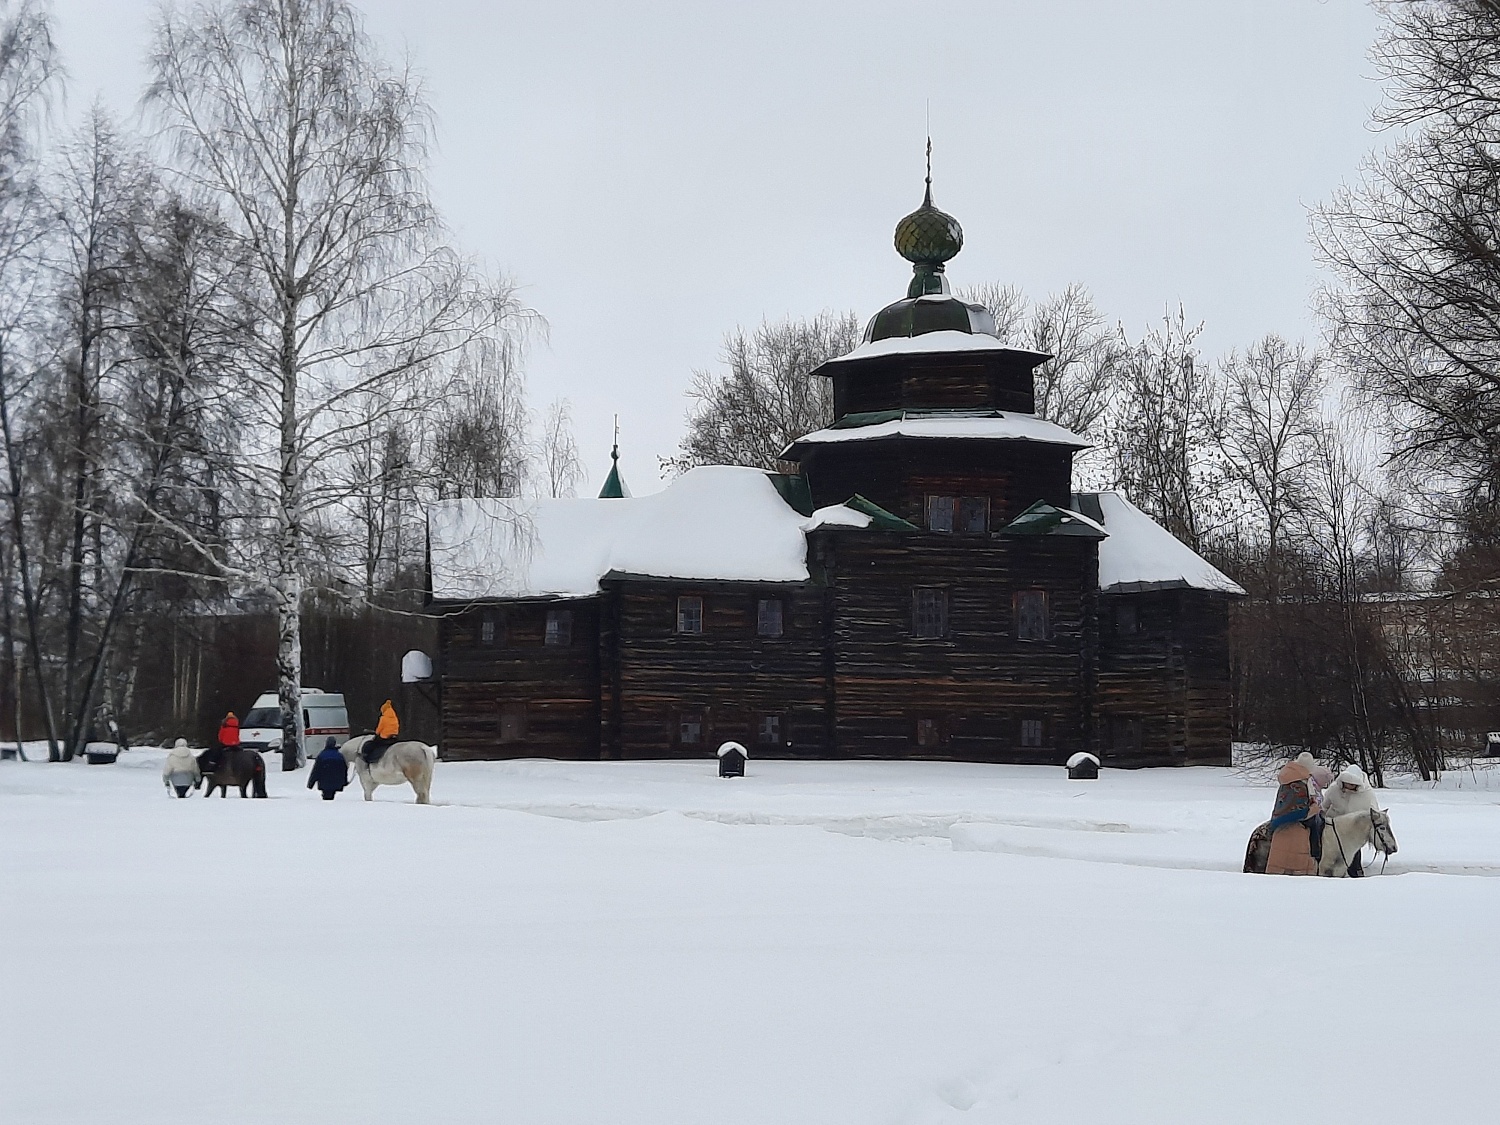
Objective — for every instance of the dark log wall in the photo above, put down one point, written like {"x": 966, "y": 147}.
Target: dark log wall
{"x": 1163, "y": 687}
{"x": 976, "y": 685}
{"x": 727, "y": 678}
{"x": 965, "y": 381}
{"x": 899, "y": 474}
{"x": 554, "y": 688}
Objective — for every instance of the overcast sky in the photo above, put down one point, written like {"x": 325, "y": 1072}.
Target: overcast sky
{"x": 653, "y": 174}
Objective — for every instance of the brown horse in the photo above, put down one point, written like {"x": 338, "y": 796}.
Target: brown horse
{"x": 232, "y": 766}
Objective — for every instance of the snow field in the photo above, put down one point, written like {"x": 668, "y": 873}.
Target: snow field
{"x": 884, "y": 943}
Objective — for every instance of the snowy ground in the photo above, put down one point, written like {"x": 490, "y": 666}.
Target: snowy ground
{"x": 622, "y": 943}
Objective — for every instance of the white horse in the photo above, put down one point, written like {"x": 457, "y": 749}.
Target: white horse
{"x": 1344, "y": 836}
{"x": 402, "y": 762}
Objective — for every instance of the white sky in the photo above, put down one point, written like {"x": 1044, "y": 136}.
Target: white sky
{"x": 656, "y": 173}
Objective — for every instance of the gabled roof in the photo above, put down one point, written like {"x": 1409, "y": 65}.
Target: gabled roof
{"x": 1043, "y": 519}
{"x": 715, "y": 523}
{"x": 1142, "y": 555}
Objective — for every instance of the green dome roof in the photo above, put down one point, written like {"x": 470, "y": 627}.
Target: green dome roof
{"x": 928, "y": 236}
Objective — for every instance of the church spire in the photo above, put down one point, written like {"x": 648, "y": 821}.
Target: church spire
{"x": 614, "y": 484}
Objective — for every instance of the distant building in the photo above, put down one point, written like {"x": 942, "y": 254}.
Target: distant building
{"x": 926, "y": 585}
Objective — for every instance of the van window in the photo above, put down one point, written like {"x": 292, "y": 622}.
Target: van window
{"x": 262, "y": 717}
{"x": 327, "y": 720}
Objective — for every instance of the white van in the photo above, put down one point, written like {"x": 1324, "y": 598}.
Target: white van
{"x": 323, "y": 714}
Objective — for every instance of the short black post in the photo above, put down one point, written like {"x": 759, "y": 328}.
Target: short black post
{"x": 1083, "y": 766}
{"x": 732, "y": 759}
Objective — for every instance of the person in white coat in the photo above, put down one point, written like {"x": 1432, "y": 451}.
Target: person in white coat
{"x": 1350, "y": 792}
{"x": 180, "y": 771}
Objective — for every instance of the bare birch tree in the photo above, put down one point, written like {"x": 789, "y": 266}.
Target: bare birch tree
{"x": 1268, "y": 430}
{"x": 559, "y": 451}
{"x": 28, "y": 71}
{"x": 313, "y": 149}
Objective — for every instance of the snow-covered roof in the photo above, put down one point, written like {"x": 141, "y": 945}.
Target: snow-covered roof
{"x": 1079, "y": 758}
{"x": 728, "y": 746}
{"x": 947, "y": 340}
{"x": 986, "y": 426}
{"x": 715, "y": 523}
{"x": 1140, "y": 554}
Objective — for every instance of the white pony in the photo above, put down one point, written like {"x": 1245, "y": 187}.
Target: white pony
{"x": 1344, "y": 837}
{"x": 402, "y": 762}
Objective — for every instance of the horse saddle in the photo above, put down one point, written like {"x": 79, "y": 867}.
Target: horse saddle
{"x": 374, "y": 750}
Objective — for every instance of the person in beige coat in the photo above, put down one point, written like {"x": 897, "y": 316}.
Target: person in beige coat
{"x": 1293, "y": 822}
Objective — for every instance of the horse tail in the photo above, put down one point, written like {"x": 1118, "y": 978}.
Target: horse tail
{"x": 258, "y": 776}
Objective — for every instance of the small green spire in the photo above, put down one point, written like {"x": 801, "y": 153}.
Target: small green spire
{"x": 614, "y": 484}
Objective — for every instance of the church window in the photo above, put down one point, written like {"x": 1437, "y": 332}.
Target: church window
{"x": 488, "y": 627}
{"x": 559, "y": 627}
{"x": 974, "y": 513}
{"x": 1032, "y": 732}
{"x": 940, "y": 513}
{"x": 690, "y": 729}
{"x": 689, "y": 614}
{"x": 1031, "y": 615}
{"x": 768, "y": 617}
{"x": 929, "y": 612}
{"x": 929, "y": 734}
{"x": 768, "y": 730}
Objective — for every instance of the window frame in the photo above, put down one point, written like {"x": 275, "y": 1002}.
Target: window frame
{"x": 775, "y": 738}
{"x": 1022, "y": 621}
{"x": 929, "y": 733}
{"x": 684, "y": 603}
{"x": 935, "y": 502}
{"x": 939, "y": 604}
{"x": 760, "y": 618}
{"x": 683, "y": 719}
{"x": 961, "y": 525}
{"x": 562, "y": 635}
{"x": 1036, "y": 723}
{"x": 489, "y": 629}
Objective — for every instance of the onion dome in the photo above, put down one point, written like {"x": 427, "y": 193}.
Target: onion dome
{"x": 928, "y": 238}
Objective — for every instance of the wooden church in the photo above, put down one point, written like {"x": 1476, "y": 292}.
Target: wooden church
{"x": 926, "y": 584}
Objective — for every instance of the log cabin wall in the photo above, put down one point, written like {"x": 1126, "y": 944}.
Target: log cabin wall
{"x": 1163, "y": 683}
{"x": 965, "y": 381}
{"x": 900, "y": 473}
{"x": 669, "y": 693}
{"x": 972, "y": 693}
{"x": 509, "y": 693}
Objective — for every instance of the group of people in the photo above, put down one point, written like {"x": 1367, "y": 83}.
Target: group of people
{"x": 1307, "y": 793}
{"x": 182, "y": 771}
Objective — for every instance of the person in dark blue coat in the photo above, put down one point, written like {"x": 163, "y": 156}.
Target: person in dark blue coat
{"x": 330, "y": 772}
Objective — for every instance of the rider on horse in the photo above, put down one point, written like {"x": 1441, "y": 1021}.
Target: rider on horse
{"x": 386, "y": 732}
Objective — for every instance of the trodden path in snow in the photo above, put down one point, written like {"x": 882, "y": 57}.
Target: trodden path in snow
{"x": 883, "y": 943}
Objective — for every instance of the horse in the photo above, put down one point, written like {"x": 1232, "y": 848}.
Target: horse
{"x": 402, "y": 762}
{"x": 235, "y": 766}
{"x": 1343, "y": 837}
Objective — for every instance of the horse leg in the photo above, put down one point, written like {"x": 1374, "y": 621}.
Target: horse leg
{"x": 369, "y": 784}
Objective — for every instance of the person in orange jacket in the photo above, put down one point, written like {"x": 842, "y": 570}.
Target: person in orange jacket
{"x": 386, "y": 732}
